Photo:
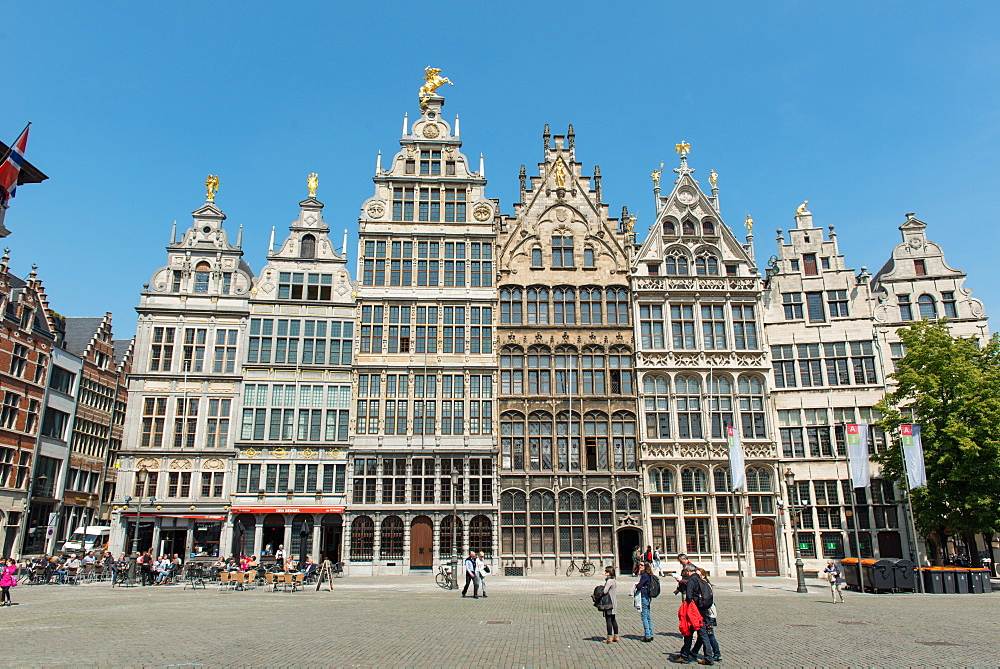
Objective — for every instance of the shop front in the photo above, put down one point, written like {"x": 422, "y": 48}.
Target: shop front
{"x": 190, "y": 536}
{"x": 303, "y": 531}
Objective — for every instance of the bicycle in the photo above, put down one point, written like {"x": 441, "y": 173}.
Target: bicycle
{"x": 586, "y": 569}
{"x": 445, "y": 579}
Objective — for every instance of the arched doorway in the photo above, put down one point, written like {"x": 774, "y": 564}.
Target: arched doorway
{"x": 244, "y": 529}
{"x": 302, "y": 537}
{"x": 331, "y": 537}
{"x": 628, "y": 539}
{"x": 421, "y": 543}
{"x": 273, "y": 533}
{"x": 765, "y": 547}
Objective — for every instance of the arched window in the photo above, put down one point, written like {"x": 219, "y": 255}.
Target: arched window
{"x": 687, "y": 227}
{"x": 688, "y": 397}
{"x": 722, "y": 480}
{"x": 201, "y": 273}
{"x": 676, "y": 264}
{"x": 588, "y": 256}
{"x": 627, "y": 502}
{"x": 927, "y": 306}
{"x": 571, "y": 522}
{"x": 510, "y": 305}
{"x": 449, "y": 525}
{"x": 513, "y": 519}
{"x": 536, "y": 256}
{"x": 661, "y": 479}
{"x": 752, "y": 406}
{"x": 708, "y": 228}
{"x": 564, "y": 306}
{"x": 595, "y": 431}
{"x": 308, "y": 247}
{"x": 616, "y": 301}
{"x": 538, "y": 305}
{"x": 657, "y": 398}
{"x": 512, "y": 440}
{"x": 623, "y": 440}
{"x": 600, "y": 524}
{"x": 362, "y": 539}
{"x": 391, "y": 545}
{"x": 720, "y": 405}
{"x": 590, "y": 306}
{"x": 759, "y": 480}
{"x": 693, "y": 480}
{"x": 670, "y": 228}
{"x": 542, "y": 510}
{"x": 539, "y": 439}
{"x": 539, "y": 371}
{"x": 706, "y": 264}
{"x": 481, "y": 535}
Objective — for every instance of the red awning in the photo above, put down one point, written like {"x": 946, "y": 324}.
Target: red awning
{"x": 288, "y": 509}
{"x": 173, "y": 515}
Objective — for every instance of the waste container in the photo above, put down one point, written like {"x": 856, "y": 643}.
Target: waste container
{"x": 904, "y": 575}
{"x": 868, "y": 567}
{"x": 933, "y": 580}
{"x": 948, "y": 575}
{"x": 850, "y": 567}
{"x": 962, "y": 581}
{"x": 882, "y": 574}
{"x": 979, "y": 581}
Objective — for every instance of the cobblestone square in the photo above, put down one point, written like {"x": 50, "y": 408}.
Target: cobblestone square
{"x": 536, "y": 622}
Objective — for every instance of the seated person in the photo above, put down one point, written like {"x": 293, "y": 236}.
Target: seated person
{"x": 219, "y": 564}
{"x": 309, "y": 568}
{"x": 290, "y": 565}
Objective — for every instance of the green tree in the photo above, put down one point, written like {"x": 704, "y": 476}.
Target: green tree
{"x": 950, "y": 386}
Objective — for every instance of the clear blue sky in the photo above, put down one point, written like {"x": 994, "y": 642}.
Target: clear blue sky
{"x": 867, "y": 109}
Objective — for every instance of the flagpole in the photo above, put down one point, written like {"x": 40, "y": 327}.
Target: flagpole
{"x": 911, "y": 528}
{"x": 854, "y": 517}
{"x": 11, "y": 147}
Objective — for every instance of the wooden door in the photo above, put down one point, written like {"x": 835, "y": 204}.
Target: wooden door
{"x": 421, "y": 543}
{"x": 765, "y": 547}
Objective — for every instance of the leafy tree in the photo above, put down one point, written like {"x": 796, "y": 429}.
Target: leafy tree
{"x": 950, "y": 386}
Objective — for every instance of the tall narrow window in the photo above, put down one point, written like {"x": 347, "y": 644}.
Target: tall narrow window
{"x": 928, "y": 309}
{"x": 562, "y": 251}
{"x": 809, "y": 264}
{"x": 657, "y": 398}
{"x": 201, "y": 273}
{"x": 308, "y": 247}
{"x": 919, "y": 268}
{"x": 792, "y": 303}
{"x": 948, "y": 304}
{"x": 817, "y": 314}
{"x": 905, "y": 308}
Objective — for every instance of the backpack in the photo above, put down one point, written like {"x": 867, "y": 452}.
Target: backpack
{"x": 602, "y": 600}
{"x": 704, "y": 597}
{"x": 654, "y": 587}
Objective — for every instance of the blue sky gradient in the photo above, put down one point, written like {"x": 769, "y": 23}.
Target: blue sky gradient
{"x": 868, "y": 110}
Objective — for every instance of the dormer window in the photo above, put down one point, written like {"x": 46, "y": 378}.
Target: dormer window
{"x": 919, "y": 268}
{"x": 687, "y": 228}
{"x": 669, "y": 228}
{"x": 308, "y": 247}
{"x": 677, "y": 264}
{"x": 708, "y": 228}
{"x": 809, "y": 264}
{"x": 430, "y": 163}
{"x": 26, "y": 316}
{"x": 201, "y": 273}
{"x": 652, "y": 270}
{"x": 707, "y": 264}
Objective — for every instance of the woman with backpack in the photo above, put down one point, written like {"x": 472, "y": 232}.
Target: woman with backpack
{"x": 647, "y": 587}
{"x": 832, "y": 572}
{"x": 610, "y": 588}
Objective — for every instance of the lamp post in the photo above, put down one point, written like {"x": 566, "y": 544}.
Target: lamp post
{"x": 794, "y": 511}
{"x": 454, "y": 529}
{"x": 140, "y": 478}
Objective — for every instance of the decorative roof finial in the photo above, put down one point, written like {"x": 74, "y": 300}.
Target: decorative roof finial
{"x": 313, "y": 183}
{"x": 432, "y": 81}
{"x": 211, "y": 187}
{"x": 683, "y": 148}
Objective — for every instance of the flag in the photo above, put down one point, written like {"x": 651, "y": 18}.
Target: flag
{"x": 913, "y": 455}
{"x": 11, "y": 167}
{"x": 737, "y": 466}
{"x": 857, "y": 454}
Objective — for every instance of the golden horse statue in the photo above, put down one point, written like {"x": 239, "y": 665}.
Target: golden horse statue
{"x": 432, "y": 81}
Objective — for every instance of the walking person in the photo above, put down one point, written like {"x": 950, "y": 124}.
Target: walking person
{"x": 832, "y": 572}
{"x": 8, "y": 579}
{"x": 694, "y": 611}
{"x": 481, "y": 570}
{"x": 471, "y": 576}
{"x": 645, "y": 589}
{"x": 636, "y": 559}
{"x": 656, "y": 562}
{"x": 610, "y": 589}
{"x": 708, "y": 640}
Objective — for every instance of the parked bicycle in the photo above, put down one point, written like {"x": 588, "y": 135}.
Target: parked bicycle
{"x": 586, "y": 569}
{"x": 445, "y": 578}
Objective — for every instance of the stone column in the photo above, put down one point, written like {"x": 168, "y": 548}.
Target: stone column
{"x": 288, "y": 535}
{"x": 317, "y": 535}
{"x": 258, "y": 534}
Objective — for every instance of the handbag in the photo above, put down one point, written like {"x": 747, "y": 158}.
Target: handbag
{"x": 637, "y": 600}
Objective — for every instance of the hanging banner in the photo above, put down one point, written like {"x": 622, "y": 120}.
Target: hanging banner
{"x": 913, "y": 455}
{"x": 857, "y": 454}
{"x": 737, "y": 465}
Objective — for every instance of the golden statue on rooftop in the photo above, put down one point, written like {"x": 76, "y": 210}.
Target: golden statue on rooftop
{"x": 713, "y": 178}
{"x": 801, "y": 210}
{"x": 211, "y": 187}
{"x": 630, "y": 224}
{"x": 683, "y": 148}
{"x": 313, "y": 183}
{"x": 749, "y": 224}
{"x": 655, "y": 176}
{"x": 432, "y": 81}
{"x": 560, "y": 173}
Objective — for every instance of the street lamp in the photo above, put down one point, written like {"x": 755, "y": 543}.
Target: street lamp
{"x": 140, "y": 478}
{"x": 794, "y": 510}
{"x": 454, "y": 528}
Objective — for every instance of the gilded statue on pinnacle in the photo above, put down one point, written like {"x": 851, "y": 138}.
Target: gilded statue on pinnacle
{"x": 432, "y": 81}
{"x": 683, "y": 148}
{"x": 313, "y": 183}
{"x": 713, "y": 178}
{"x": 749, "y": 224}
{"x": 211, "y": 187}
{"x": 801, "y": 209}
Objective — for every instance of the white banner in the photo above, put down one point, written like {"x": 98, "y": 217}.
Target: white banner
{"x": 913, "y": 455}
{"x": 857, "y": 454}
{"x": 737, "y": 464}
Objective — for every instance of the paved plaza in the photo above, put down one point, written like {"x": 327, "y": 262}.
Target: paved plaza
{"x": 535, "y": 622}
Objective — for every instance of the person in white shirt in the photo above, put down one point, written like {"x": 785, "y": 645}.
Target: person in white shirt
{"x": 482, "y": 569}
{"x": 89, "y": 558}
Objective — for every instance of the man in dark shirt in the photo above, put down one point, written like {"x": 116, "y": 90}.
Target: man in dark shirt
{"x": 692, "y": 585}
{"x": 471, "y": 576}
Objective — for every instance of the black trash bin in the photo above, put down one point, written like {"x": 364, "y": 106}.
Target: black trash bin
{"x": 869, "y": 568}
{"x": 882, "y": 574}
{"x": 905, "y": 575}
{"x": 962, "y": 581}
{"x": 851, "y": 578}
{"x": 933, "y": 580}
{"x": 976, "y": 585}
{"x": 948, "y": 575}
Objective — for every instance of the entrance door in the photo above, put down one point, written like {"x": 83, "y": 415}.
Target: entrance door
{"x": 765, "y": 547}
{"x": 173, "y": 541}
{"x": 331, "y": 537}
{"x": 421, "y": 543}
{"x": 627, "y": 541}
{"x": 889, "y": 545}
